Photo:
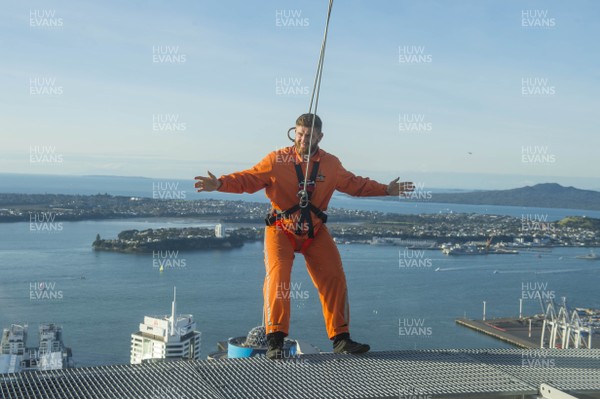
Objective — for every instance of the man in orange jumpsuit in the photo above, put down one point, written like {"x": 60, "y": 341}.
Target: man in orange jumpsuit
{"x": 297, "y": 225}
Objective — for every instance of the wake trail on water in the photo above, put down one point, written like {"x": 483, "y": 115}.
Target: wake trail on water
{"x": 452, "y": 269}
{"x": 559, "y": 271}
{"x": 548, "y": 271}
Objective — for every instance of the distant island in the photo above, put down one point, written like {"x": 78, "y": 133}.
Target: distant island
{"x": 63, "y": 207}
{"x": 546, "y": 195}
{"x": 47, "y": 212}
{"x": 494, "y": 234}
{"x": 174, "y": 239}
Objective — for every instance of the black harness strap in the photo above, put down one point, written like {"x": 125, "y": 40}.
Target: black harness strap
{"x": 310, "y": 188}
{"x": 304, "y": 211}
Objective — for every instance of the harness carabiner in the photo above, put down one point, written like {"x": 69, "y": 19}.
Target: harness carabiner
{"x": 288, "y": 133}
{"x": 304, "y": 200}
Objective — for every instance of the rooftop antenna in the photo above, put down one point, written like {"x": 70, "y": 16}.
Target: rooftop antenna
{"x": 173, "y": 310}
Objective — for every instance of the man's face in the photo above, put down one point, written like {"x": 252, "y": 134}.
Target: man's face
{"x": 303, "y": 138}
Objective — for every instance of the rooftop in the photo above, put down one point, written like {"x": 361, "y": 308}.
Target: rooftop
{"x": 476, "y": 373}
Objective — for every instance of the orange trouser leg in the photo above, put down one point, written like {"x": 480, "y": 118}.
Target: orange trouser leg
{"x": 324, "y": 265}
{"x": 279, "y": 257}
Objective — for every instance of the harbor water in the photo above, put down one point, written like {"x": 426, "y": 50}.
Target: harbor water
{"x": 397, "y": 298}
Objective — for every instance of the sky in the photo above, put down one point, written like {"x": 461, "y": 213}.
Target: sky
{"x": 464, "y": 94}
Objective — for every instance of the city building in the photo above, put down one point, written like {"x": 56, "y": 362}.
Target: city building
{"x": 219, "y": 231}
{"x": 166, "y": 337}
{"x": 51, "y": 354}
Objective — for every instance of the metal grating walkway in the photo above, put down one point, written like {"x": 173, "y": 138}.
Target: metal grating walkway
{"x": 481, "y": 373}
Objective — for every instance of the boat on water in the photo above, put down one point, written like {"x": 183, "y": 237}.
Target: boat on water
{"x": 463, "y": 250}
{"x": 385, "y": 241}
{"x": 503, "y": 251}
{"x": 591, "y": 256}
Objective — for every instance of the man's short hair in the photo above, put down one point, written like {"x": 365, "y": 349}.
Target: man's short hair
{"x": 306, "y": 120}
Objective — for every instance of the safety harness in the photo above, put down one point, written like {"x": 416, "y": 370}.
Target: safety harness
{"x": 304, "y": 206}
{"x": 306, "y": 186}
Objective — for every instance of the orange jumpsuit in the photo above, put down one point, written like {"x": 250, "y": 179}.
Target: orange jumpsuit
{"x": 276, "y": 174}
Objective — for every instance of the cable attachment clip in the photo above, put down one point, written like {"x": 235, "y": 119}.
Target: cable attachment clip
{"x": 303, "y": 196}
{"x": 288, "y": 133}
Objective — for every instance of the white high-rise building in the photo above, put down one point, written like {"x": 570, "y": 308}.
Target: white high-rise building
{"x": 51, "y": 354}
{"x": 14, "y": 340}
{"x": 166, "y": 337}
{"x": 219, "y": 231}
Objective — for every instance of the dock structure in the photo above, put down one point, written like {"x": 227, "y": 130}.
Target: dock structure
{"x": 516, "y": 331}
{"x": 411, "y": 374}
{"x": 507, "y": 330}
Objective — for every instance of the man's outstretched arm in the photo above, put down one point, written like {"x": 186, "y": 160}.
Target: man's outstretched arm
{"x": 358, "y": 186}
{"x": 246, "y": 181}
{"x": 210, "y": 183}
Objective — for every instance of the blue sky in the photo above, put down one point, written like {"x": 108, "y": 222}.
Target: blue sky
{"x": 221, "y": 72}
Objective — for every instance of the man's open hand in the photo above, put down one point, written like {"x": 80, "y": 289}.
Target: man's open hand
{"x": 210, "y": 183}
{"x": 396, "y": 187}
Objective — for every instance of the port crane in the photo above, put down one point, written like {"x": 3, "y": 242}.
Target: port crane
{"x": 564, "y": 331}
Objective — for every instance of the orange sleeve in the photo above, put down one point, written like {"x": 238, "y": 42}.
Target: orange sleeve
{"x": 249, "y": 180}
{"x": 349, "y": 183}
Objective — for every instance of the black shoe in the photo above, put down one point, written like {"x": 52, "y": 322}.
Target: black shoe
{"x": 343, "y": 344}
{"x": 275, "y": 345}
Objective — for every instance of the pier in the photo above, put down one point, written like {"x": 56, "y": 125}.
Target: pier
{"x": 526, "y": 332}
{"x": 512, "y": 331}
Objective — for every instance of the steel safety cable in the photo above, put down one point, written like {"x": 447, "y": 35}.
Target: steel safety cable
{"x": 303, "y": 194}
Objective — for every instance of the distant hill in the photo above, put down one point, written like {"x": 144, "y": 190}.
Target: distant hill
{"x": 546, "y": 195}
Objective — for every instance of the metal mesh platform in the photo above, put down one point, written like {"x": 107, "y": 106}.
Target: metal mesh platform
{"x": 396, "y": 374}
{"x": 565, "y": 369}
